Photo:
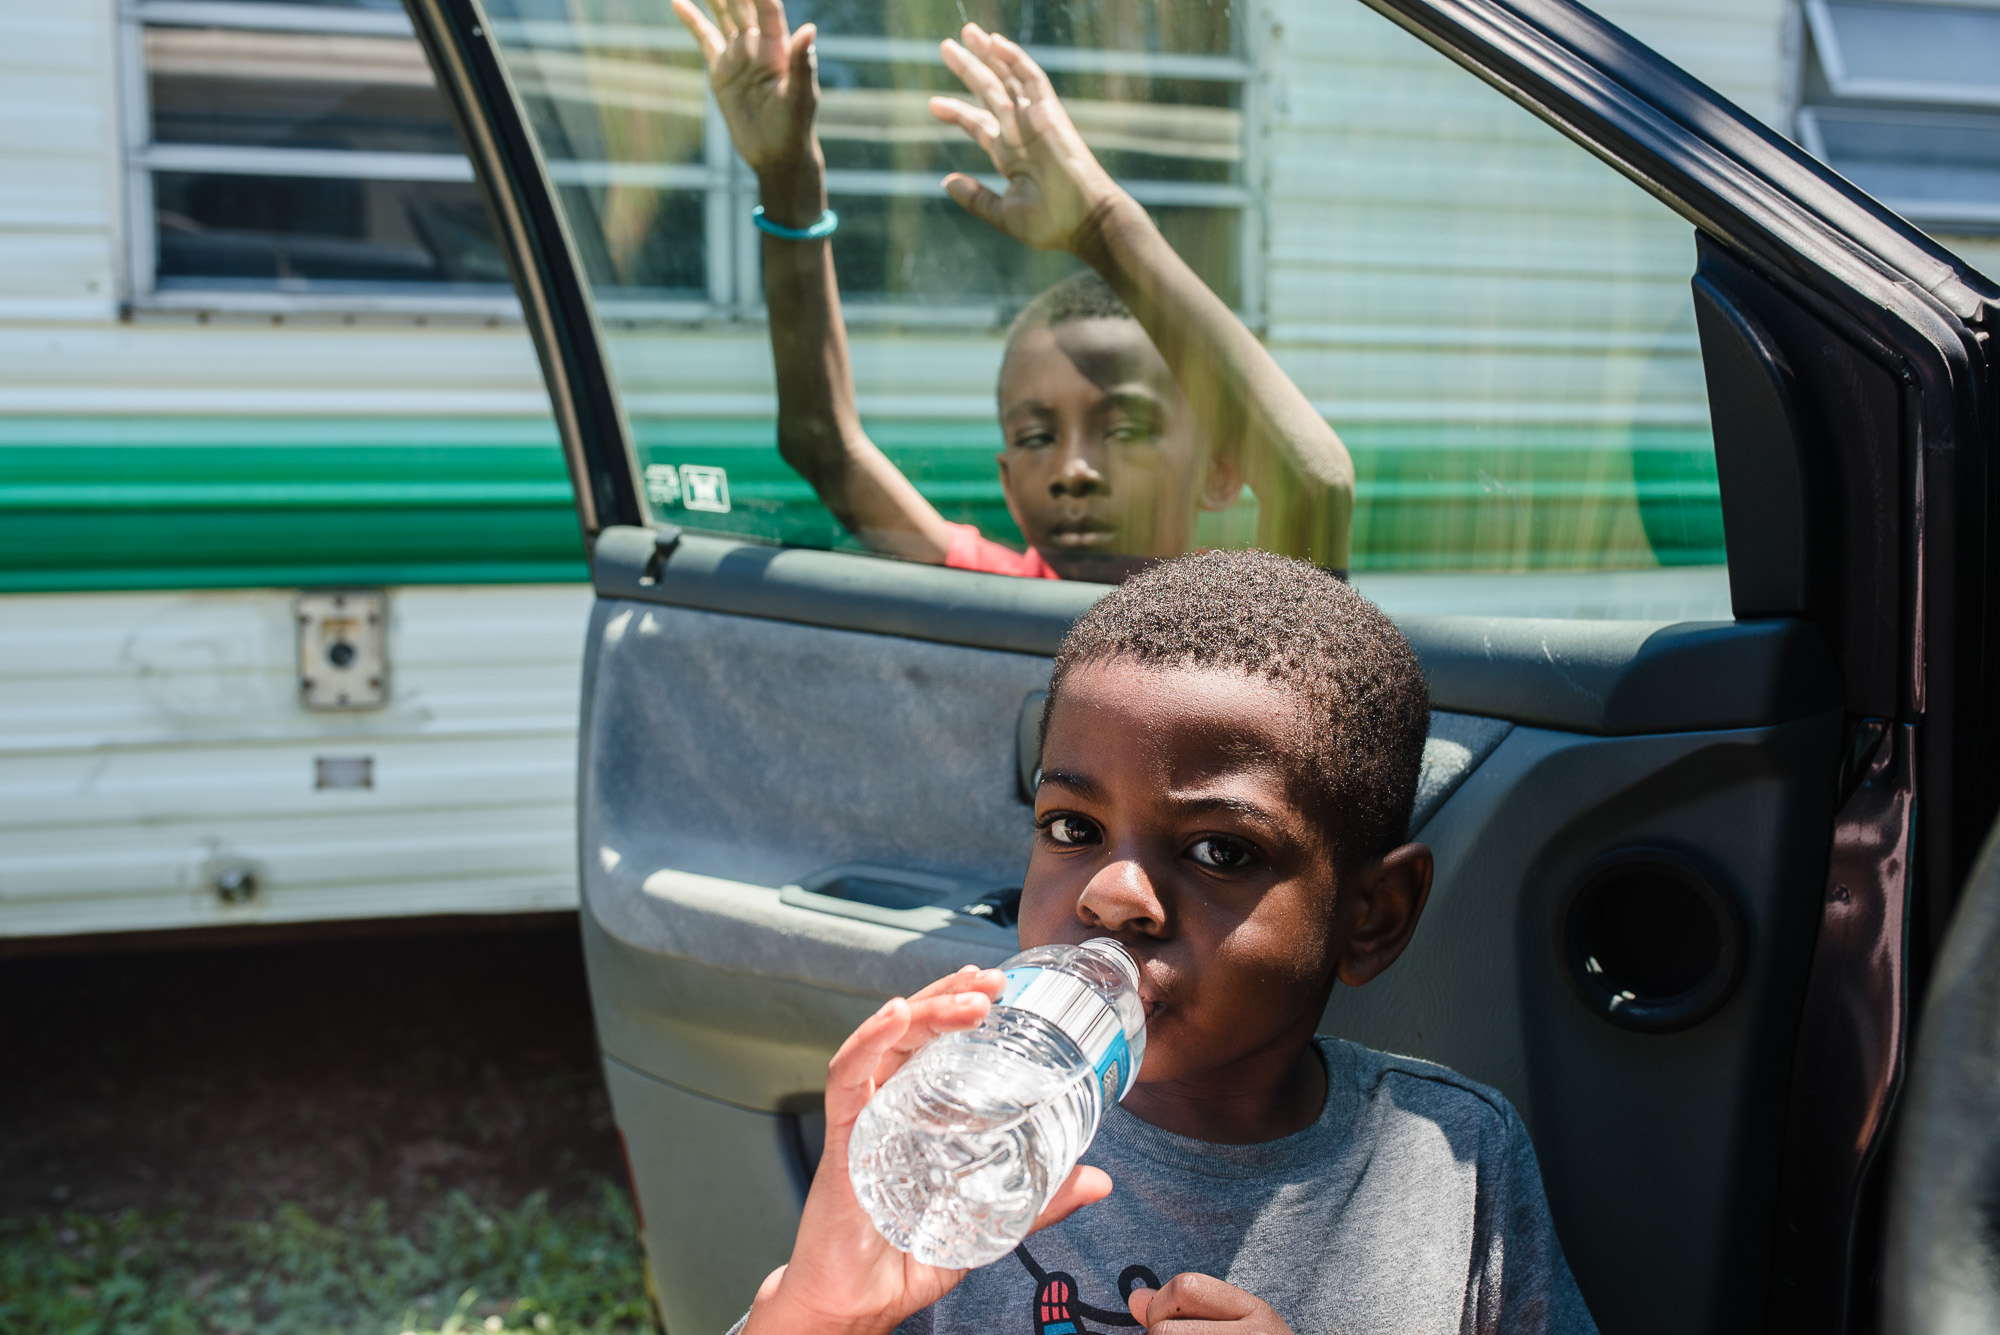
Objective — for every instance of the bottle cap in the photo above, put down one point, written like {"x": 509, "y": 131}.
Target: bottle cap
{"x": 1117, "y": 953}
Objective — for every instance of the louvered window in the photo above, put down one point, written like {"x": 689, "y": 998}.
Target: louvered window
{"x": 1904, "y": 100}
{"x": 290, "y": 155}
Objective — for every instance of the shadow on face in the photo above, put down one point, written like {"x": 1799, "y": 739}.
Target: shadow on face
{"x": 1105, "y": 464}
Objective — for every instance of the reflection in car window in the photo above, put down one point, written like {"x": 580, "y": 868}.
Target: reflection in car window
{"x": 1409, "y": 297}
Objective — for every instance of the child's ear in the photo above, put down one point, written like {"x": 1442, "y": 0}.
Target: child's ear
{"x": 1224, "y": 481}
{"x": 1377, "y": 909}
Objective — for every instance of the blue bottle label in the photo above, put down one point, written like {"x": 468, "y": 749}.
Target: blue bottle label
{"x": 1075, "y": 1007}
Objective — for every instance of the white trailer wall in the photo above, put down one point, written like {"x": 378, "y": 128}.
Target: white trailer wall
{"x": 150, "y": 740}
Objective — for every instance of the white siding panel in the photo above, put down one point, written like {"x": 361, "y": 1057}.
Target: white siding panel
{"x": 931, "y": 373}
{"x": 50, "y": 191}
{"x": 45, "y": 115}
{"x": 1436, "y": 385}
{"x": 1733, "y": 46}
{"x": 127, "y": 670}
{"x": 1401, "y": 296}
{"x": 243, "y": 367}
{"x": 1435, "y": 250}
{"x": 179, "y": 784}
{"x": 55, "y": 276}
{"x": 1434, "y": 241}
{"x": 1480, "y": 184}
{"x": 146, "y": 739}
{"x": 195, "y": 906}
{"x": 59, "y": 161}
{"x": 42, "y": 36}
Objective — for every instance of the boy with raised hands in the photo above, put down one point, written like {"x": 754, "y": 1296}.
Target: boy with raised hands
{"x": 1130, "y": 396}
{"x": 1230, "y": 759}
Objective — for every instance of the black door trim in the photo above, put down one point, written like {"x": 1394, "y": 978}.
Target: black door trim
{"x": 541, "y": 256}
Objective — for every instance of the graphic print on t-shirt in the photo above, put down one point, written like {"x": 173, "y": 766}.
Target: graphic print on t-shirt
{"x": 1059, "y": 1308}
{"x": 1054, "y": 1303}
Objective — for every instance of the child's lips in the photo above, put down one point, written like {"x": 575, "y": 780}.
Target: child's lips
{"x": 1082, "y": 537}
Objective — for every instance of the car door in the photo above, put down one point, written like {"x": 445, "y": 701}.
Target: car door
{"x": 1671, "y": 450}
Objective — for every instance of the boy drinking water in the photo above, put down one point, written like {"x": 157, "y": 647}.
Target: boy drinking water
{"x": 1231, "y": 749}
{"x": 1130, "y": 397}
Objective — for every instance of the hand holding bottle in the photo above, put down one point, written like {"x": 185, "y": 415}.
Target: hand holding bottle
{"x": 843, "y": 1276}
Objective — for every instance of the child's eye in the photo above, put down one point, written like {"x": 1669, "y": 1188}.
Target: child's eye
{"x": 1070, "y": 830}
{"x": 1034, "y": 440}
{"x": 1221, "y": 853}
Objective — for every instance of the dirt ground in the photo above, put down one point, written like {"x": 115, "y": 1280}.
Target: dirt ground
{"x": 215, "y": 1080}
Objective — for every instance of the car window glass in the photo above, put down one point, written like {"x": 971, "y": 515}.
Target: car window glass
{"x": 1496, "y": 326}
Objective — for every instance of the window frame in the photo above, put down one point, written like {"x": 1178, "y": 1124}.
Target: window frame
{"x": 731, "y": 247}
{"x": 143, "y": 157}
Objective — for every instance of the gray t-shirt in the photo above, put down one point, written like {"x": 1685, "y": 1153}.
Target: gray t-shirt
{"x": 1412, "y": 1205}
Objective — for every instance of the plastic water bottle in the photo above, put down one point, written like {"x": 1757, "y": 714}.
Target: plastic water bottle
{"x": 960, "y": 1150}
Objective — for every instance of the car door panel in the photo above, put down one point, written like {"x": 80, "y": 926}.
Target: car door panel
{"x": 1659, "y": 1150}
{"x": 719, "y": 1197}
{"x": 730, "y": 756}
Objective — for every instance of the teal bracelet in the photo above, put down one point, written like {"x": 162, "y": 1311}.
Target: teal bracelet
{"x": 822, "y": 227}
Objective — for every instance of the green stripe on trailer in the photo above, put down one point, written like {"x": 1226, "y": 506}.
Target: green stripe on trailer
{"x": 1429, "y": 497}
{"x": 159, "y": 503}
{"x": 1529, "y": 497}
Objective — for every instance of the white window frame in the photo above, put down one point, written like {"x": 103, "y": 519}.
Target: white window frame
{"x": 143, "y": 157}
{"x": 1917, "y": 103}
{"x": 735, "y": 282}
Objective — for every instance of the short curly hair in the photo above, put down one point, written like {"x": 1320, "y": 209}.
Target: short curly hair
{"x": 1364, "y": 707}
{"x": 1081, "y": 296}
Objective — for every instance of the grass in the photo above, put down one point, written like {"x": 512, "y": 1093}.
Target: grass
{"x": 455, "y": 1269}
{"x": 341, "y": 1137}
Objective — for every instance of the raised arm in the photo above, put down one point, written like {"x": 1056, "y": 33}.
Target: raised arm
{"x": 1059, "y": 198}
{"x": 765, "y": 81}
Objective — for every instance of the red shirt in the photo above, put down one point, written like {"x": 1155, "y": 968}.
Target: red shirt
{"x": 970, "y": 550}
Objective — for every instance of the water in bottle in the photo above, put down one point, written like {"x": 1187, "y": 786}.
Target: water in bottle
{"x": 961, "y": 1149}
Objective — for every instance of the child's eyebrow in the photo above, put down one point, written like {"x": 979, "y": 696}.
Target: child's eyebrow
{"x": 1076, "y": 783}
{"x": 1133, "y": 400}
{"x": 1021, "y": 407}
{"x": 1236, "y": 805}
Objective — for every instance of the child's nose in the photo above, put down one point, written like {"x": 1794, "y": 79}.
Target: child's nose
{"x": 1120, "y": 896}
{"x": 1077, "y": 473}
